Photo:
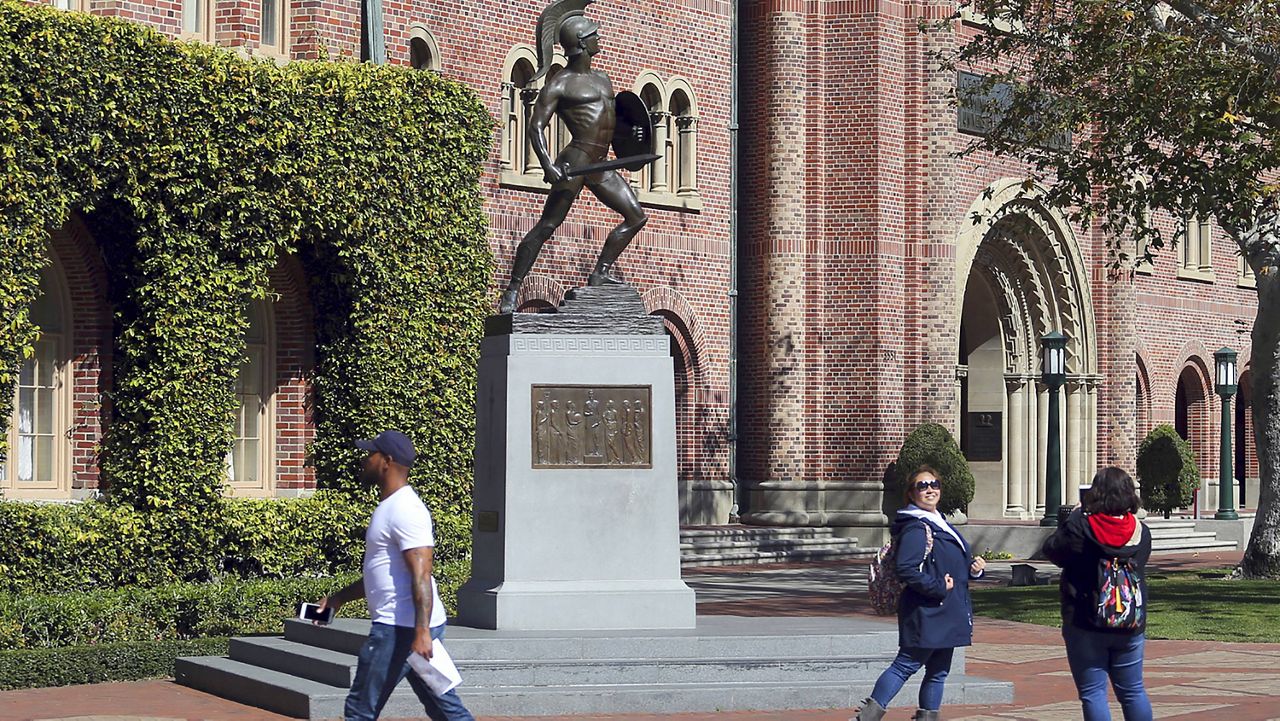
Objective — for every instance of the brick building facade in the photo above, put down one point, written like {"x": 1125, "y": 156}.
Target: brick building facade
{"x": 867, "y": 299}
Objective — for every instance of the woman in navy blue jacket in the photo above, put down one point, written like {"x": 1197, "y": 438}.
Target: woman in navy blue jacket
{"x": 934, "y": 614}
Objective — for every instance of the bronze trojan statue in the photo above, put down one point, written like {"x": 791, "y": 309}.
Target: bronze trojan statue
{"x": 583, "y": 99}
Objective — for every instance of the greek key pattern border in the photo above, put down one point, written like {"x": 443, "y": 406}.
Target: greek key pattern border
{"x": 591, "y": 345}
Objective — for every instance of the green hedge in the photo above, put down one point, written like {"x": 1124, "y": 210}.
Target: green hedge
{"x": 231, "y": 607}
{"x": 67, "y": 547}
{"x": 43, "y": 667}
{"x": 195, "y": 170}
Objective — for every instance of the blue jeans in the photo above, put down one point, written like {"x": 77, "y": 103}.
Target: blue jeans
{"x": 1096, "y": 656}
{"x": 937, "y": 664}
{"x": 384, "y": 662}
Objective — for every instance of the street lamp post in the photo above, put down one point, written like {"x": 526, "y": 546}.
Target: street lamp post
{"x": 1054, "y": 373}
{"x": 1225, "y": 363}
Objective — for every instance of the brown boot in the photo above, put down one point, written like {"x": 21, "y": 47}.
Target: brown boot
{"x": 871, "y": 711}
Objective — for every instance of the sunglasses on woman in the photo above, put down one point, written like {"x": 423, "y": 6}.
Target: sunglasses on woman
{"x": 934, "y": 484}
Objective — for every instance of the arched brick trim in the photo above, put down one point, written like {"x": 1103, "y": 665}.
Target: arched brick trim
{"x": 668, "y": 299}
{"x": 1142, "y": 407}
{"x": 538, "y": 292}
{"x": 85, "y": 275}
{"x": 294, "y": 324}
{"x": 1201, "y": 431}
{"x": 687, "y": 353}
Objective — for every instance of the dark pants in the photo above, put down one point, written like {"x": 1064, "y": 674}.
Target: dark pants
{"x": 1095, "y": 657}
{"x": 936, "y": 663}
{"x": 384, "y": 662}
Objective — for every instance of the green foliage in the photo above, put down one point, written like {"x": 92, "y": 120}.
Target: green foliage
{"x": 931, "y": 444}
{"x": 57, "y": 548}
{"x": 991, "y": 555}
{"x": 1167, "y": 471}
{"x": 1170, "y": 112}
{"x": 196, "y": 170}
{"x": 171, "y": 612}
{"x": 230, "y": 607}
{"x": 45, "y": 667}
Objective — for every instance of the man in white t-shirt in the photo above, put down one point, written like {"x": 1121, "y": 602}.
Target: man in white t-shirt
{"x": 403, "y": 600}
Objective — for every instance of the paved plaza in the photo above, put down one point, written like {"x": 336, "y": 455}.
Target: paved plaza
{"x": 1187, "y": 679}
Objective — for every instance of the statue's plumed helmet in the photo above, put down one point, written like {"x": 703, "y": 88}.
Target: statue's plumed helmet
{"x": 572, "y": 31}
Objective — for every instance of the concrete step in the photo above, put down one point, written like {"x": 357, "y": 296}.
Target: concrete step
{"x": 715, "y": 637}
{"x": 740, "y": 545}
{"x": 748, "y": 558}
{"x": 1174, "y": 545}
{"x": 301, "y": 698}
{"x": 1159, "y": 534}
{"x": 726, "y": 663}
{"x": 338, "y": 669}
{"x": 256, "y": 686}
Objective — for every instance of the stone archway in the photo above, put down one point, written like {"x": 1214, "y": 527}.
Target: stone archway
{"x": 1019, "y": 276}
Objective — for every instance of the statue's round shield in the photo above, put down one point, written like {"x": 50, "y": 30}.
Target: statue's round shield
{"x": 633, "y": 133}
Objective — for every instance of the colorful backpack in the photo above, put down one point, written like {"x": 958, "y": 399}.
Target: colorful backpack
{"x": 1120, "y": 601}
{"x": 883, "y": 583}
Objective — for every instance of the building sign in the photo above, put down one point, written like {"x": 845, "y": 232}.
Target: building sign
{"x": 592, "y": 426}
{"x": 984, "y": 439}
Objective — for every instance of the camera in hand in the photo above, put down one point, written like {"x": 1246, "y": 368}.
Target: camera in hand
{"x": 313, "y": 612}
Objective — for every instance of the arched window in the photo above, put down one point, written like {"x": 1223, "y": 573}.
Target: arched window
{"x": 424, "y": 54}
{"x": 518, "y": 162}
{"x": 653, "y": 177}
{"x": 684, "y": 153}
{"x": 249, "y": 462}
{"x": 36, "y": 466}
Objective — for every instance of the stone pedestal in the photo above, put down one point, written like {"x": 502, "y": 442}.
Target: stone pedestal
{"x": 576, "y": 514}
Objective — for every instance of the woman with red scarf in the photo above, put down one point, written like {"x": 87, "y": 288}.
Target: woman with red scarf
{"x": 1103, "y": 550}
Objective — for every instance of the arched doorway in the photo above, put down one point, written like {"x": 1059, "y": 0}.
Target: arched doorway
{"x": 1245, "y": 469}
{"x": 1191, "y": 419}
{"x": 1019, "y": 277}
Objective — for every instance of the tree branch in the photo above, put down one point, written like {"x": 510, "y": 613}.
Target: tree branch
{"x": 1264, "y": 53}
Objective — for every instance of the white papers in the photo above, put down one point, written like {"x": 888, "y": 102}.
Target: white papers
{"x": 439, "y": 672}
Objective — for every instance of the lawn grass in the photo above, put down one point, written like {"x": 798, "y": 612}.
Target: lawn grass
{"x": 1185, "y": 605}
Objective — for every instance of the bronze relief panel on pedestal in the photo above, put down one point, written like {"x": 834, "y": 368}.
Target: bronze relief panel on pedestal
{"x": 585, "y": 426}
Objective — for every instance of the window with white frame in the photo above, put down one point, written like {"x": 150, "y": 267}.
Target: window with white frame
{"x": 273, "y": 28}
{"x": 198, "y": 19}
{"x": 77, "y": 5}
{"x": 249, "y": 462}
{"x": 1246, "y": 278}
{"x": 37, "y": 463}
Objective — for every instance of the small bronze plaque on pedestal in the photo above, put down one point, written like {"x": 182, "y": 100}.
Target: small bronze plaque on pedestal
{"x": 984, "y": 436}
{"x": 582, "y": 426}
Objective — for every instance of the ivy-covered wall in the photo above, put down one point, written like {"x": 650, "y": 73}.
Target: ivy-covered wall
{"x": 196, "y": 169}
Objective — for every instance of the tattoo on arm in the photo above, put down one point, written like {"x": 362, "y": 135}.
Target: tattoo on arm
{"x": 419, "y": 561}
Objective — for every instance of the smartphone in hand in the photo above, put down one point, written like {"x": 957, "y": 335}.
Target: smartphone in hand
{"x": 313, "y": 612}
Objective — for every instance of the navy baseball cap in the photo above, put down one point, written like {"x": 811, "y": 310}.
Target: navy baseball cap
{"x": 394, "y": 444}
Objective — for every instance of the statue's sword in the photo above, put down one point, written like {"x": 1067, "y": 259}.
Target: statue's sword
{"x": 631, "y": 161}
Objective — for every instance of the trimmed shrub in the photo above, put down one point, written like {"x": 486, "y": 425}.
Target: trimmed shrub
{"x": 230, "y": 607}
{"x": 43, "y": 667}
{"x": 68, "y": 547}
{"x": 931, "y": 444}
{"x": 1167, "y": 471}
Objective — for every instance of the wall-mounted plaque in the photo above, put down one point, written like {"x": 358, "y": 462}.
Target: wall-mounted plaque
{"x": 580, "y": 426}
{"x": 984, "y": 437}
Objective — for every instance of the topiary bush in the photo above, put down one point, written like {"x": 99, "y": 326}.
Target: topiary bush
{"x": 131, "y": 661}
{"x": 932, "y": 444}
{"x": 1167, "y": 471}
{"x": 195, "y": 170}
